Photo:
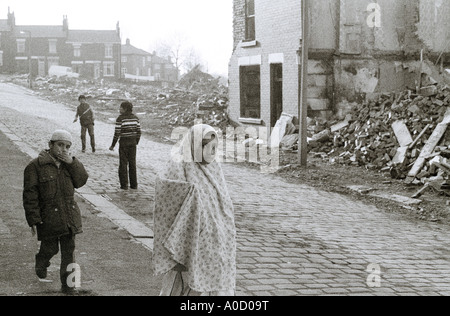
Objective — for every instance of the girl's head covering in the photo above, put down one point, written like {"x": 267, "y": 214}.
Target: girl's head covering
{"x": 194, "y": 217}
{"x": 192, "y": 146}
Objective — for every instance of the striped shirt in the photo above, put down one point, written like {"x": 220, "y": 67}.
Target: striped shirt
{"x": 128, "y": 130}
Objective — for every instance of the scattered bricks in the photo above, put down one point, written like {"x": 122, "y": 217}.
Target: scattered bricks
{"x": 428, "y": 91}
{"x": 438, "y": 102}
{"x": 414, "y": 109}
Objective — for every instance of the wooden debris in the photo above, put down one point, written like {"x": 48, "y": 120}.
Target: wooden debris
{"x": 411, "y": 146}
{"x": 430, "y": 145}
{"x": 420, "y": 192}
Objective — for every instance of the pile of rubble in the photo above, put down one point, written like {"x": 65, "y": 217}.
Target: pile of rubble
{"x": 404, "y": 134}
{"x": 197, "y": 96}
{"x": 211, "y": 105}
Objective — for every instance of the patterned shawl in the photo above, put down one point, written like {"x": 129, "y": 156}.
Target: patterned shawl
{"x": 194, "y": 220}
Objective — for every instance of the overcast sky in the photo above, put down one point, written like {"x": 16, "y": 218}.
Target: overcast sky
{"x": 206, "y": 24}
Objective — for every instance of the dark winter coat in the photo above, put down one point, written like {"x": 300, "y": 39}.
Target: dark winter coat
{"x": 48, "y": 196}
{"x": 86, "y": 115}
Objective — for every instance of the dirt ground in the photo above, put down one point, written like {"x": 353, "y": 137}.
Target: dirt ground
{"x": 337, "y": 178}
{"x": 318, "y": 173}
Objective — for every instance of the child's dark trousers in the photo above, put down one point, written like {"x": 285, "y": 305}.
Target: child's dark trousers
{"x": 127, "y": 166}
{"x": 50, "y": 247}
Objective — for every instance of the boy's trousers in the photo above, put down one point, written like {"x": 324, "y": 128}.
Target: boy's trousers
{"x": 50, "y": 247}
{"x": 90, "y": 130}
{"x": 127, "y": 166}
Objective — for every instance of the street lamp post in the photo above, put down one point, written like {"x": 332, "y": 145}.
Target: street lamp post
{"x": 30, "y": 84}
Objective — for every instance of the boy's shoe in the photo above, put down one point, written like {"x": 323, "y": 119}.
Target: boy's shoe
{"x": 83, "y": 151}
{"x": 41, "y": 273}
{"x": 93, "y": 150}
{"x": 124, "y": 188}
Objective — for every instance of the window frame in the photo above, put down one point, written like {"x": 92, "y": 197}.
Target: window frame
{"x": 52, "y": 46}
{"x": 77, "y": 50}
{"x": 21, "y": 43}
{"x": 247, "y": 92}
{"x": 109, "y": 51}
{"x": 250, "y": 23}
{"x": 108, "y": 66}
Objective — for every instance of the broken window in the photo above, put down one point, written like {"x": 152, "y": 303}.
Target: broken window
{"x": 250, "y": 20}
{"x": 250, "y": 79}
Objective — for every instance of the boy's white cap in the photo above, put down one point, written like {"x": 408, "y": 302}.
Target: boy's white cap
{"x": 61, "y": 135}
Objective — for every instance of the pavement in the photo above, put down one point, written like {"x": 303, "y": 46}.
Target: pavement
{"x": 292, "y": 239}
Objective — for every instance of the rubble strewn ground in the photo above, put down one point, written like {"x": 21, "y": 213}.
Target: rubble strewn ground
{"x": 363, "y": 150}
{"x": 198, "y": 96}
{"x": 395, "y": 143}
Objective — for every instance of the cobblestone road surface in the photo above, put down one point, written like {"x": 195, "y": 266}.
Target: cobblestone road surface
{"x": 292, "y": 239}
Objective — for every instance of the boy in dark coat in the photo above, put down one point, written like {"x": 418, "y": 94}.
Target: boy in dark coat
{"x": 86, "y": 115}
{"x": 48, "y": 199}
{"x": 128, "y": 133}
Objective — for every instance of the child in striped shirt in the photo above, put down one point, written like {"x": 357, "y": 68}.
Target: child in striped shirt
{"x": 128, "y": 134}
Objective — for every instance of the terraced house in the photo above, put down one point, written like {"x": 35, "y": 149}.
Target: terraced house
{"x": 139, "y": 65}
{"x": 91, "y": 53}
{"x": 357, "y": 49}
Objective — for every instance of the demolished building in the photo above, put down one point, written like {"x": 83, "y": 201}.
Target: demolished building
{"x": 378, "y": 88}
{"x": 358, "y": 49}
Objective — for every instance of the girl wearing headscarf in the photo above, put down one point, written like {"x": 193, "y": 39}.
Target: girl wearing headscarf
{"x": 195, "y": 234}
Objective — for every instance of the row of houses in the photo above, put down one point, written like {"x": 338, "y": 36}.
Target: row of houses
{"x": 357, "y": 49}
{"x": 93, "y": 54}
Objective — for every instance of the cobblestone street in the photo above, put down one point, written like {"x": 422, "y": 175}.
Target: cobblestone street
{"x": 292, "y": 239}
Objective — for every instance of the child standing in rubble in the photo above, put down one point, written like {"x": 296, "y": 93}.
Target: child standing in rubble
{"x": 86, "y": 115}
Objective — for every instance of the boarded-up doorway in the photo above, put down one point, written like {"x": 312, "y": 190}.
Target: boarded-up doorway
{"x": 276, "y": 92}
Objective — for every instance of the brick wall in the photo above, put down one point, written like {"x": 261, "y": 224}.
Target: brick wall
{"x": 278, "y": 33}
{"x": 238, "y": 22}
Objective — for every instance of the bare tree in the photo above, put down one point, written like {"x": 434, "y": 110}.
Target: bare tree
{"x": 192, "y": 59}
{"x": 184, "y": 56}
